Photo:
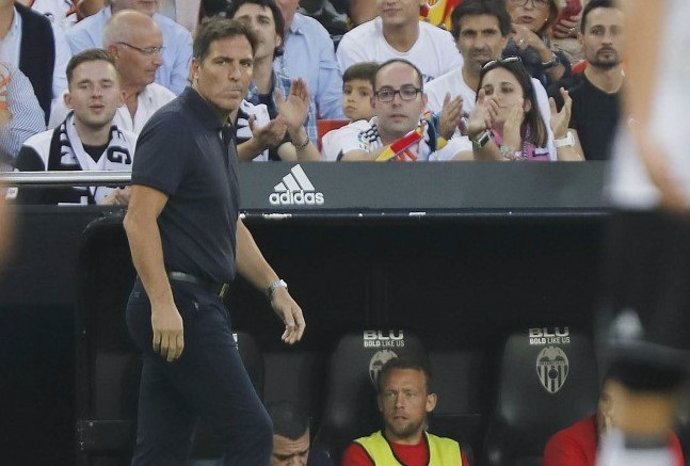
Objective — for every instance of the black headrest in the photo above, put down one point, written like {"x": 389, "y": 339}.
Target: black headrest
{"x": 548, "y": 380}
{"x": 350, "y": 409}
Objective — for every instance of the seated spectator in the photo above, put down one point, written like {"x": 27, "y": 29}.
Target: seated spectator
{"x": 577, "y": 444}
{"x": 532, "y": 21}
{"x": 87, "y": 140}
{"x": 358, "y": 92}
{"x": 565, "y": 30}
{"x": 291, "y": 437}
{"x": 481, "y": 29}
{"x": 506, "y": 123}
{"x": 263, "y": 122}
{"x": 135, "y": 41}
{"x": 596, "y": 92}
{"x": 30, "y": 43}
{"x": 308, "y": 54}
{"x": 405, "y": 398}
{"x": 398, "y": 33}
{"x": 20, "y": 114}
{"x": 400, "y": 129}
{"x": 176, "y": 55}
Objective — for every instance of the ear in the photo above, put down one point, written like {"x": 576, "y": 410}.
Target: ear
{"x": 195, "y": 69}
{"x": 504, "y": 42}
{"x": 278, "y": 41}
{"x": 431, "y": 400}
{"x": 114, "y": 51}
{"x": 527, "y": 105}
{"x": 67, "y": 98}
{"x": 580, "y": 39}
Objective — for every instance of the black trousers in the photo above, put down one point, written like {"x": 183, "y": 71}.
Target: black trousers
{"x": 207, "y": 382}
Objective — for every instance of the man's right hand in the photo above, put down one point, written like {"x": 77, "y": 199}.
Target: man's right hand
{"x": 168, "y": 332}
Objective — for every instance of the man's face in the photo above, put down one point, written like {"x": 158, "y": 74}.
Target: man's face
{"x": 399, "y": 12}
{"x": 139, "y": 58}
{"x": 223, "y": 76}
{"x": 94, "y": 94}
{"x": 603, "y": 37}
{"x": 288, "y": 452}
{"x": 288, "y": 7}
{"x": 480, "y": 40}
{"x": 357, "y": 94}
{"x": 260, "y": 19}
{"x": 398, "y": 117}
{"x": 148, "y": 7}
{"x": 405, "y": 402}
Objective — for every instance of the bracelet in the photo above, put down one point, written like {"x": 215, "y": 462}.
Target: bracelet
{"x": 551, "y": 63}
{"x": 508, "y": 152}
{"x": 303, "y": 145}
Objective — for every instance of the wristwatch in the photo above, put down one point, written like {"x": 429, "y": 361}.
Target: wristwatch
{"x": 567, "y": 141}
{"x": 481, "y": 139}
{"x": 273, "y": 286}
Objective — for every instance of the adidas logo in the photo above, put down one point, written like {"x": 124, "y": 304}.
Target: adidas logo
{"x": 295, "y": 189}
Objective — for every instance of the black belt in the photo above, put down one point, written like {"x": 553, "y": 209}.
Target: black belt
{"x": 219, "y": 289}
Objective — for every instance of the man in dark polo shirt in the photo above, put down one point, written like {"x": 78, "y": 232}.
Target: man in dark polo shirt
{"x": 187, "y": 243}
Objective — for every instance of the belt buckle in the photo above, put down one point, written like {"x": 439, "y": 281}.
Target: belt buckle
{"x": 223, "y": 290}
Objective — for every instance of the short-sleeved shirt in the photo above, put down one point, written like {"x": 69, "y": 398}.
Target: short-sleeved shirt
{"x": 183, "y": 156}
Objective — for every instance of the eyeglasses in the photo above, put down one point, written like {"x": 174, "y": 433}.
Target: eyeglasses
{"x": 541, "y": 4}
{"x": 492, "y": 63}
{"x": 407, "y": 92}
{"x": 148, "y": 51}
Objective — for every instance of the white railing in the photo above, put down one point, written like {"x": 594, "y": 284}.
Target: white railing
{"x": 65, "y": 178}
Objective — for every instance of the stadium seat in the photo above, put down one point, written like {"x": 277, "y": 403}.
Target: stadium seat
{"x": 350, "y": 409}
{"x": 547, "y": 380}
{"x": 108, "y": 365}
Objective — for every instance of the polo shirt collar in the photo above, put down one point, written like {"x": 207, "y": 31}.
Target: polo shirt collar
{"x": 197, "y": 103}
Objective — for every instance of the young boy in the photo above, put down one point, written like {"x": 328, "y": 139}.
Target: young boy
{"x": 358, "y": 90}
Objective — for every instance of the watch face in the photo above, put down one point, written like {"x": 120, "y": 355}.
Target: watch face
{"x": 484, "y": 139}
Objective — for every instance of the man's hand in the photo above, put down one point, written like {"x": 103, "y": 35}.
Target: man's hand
{"x": 295, "y": 108}
{"x": 269, "y": 135}
{"x": 119, "y": 196}
{"x": 168, "y": 332}
{"x": 290, "y": 313}
{"x": 561, "y": 120}
{"x": 451, "y": 115}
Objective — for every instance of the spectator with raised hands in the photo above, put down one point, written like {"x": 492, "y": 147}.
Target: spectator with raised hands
{"x": 506, "y": 123}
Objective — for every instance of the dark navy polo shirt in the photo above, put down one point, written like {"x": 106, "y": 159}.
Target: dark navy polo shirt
{"x": 180, "y": 153}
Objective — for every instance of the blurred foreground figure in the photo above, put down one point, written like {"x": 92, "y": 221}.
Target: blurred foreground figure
{"x": 646, "y": 333}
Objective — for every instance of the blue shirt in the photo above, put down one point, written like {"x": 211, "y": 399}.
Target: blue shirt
{"x": 27, "y": 114}
{"x": 309, "y": 54}
{"x": 177, "y": 43}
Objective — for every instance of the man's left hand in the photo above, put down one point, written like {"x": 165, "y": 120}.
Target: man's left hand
{"x": 290, "y": 313}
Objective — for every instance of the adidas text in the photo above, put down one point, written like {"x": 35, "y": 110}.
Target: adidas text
{"x": 296, "y": 198}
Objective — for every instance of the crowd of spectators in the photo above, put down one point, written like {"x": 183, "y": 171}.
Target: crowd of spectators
{"x": 486, "y": 69}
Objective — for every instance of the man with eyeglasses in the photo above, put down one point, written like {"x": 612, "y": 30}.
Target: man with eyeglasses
{"x": 135, "y": 42}
{"x": 481, "y": 30}
{"x": 405, "y": 399}
{"x": 176, "y": 56}
{"x": 400, "y": 129}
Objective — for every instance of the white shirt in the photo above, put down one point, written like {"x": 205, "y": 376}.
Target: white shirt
{"x": 631, "y": 187}
{"x": 454, "y": 84}
{"x": 56, "y": 11}
{"x": 243, "y": 132}
{"x": 367, "y": 138}
{"x": 333, "y": 141}
{"x": 153, "y": 97}
{"x": 434, "y": 53}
